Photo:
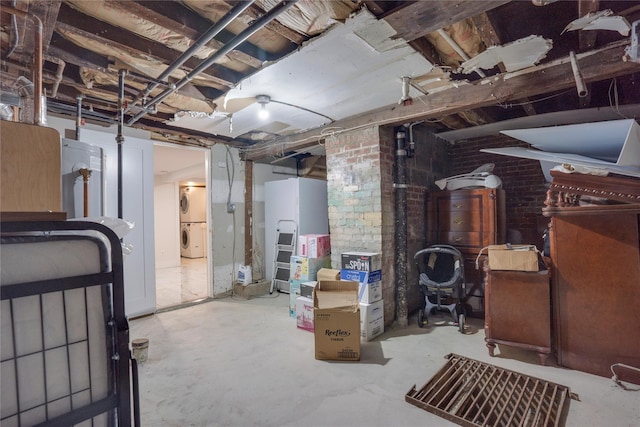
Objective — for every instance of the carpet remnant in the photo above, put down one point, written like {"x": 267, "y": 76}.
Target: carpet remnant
{"x": 472, "y": 393}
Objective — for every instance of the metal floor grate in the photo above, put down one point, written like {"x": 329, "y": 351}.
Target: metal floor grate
{"x": 471, "y": 393}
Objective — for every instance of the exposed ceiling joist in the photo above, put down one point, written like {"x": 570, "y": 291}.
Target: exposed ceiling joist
{"x": 414, "y": 21}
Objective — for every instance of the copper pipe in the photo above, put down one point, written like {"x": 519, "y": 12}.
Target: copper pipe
{"x": 86, "y": 174}
{"x": 37, "y": 61}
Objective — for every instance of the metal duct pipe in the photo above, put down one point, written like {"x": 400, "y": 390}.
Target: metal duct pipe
{"x": 37, "y": 62}
{"x": 233, "y": 43}
{"x": 577, "y": 75}
{"x": 15, "y": 35}
{"x": 195, "y": 47}
{"x": 59, "y": 71}
{"x": 400, "y": 187}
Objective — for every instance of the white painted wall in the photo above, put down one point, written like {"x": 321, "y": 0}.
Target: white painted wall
{"x": 227, "y": 249}
{"x": 167, "y": 224}
{"x": 262, "y": 173}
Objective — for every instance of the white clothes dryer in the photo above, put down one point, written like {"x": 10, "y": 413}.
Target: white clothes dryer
{"x": 191, "y": 240}
{"x": 193, "y": 204}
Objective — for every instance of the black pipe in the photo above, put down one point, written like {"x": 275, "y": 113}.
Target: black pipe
{"x": 78, "y": 116}
{"x": 233, "y": 43}
{"x": 119, "y": 136}
{"x": 194, "y": 48}
{"x": 400, "y": 187}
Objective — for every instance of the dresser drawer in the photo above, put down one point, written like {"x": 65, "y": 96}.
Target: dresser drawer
{"x": 461, "y": 203}
{"x": 461, "y": 240}
{"x": 462, "y": 220}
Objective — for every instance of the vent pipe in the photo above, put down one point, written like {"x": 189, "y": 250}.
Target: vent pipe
{"x": 38, "y": 114}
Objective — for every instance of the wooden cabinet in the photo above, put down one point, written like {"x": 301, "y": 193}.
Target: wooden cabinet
{"x": 31, "y": 177}
{"x": 469, "y": 220}
{"x": 518, "y": 311}
{"x": 595, "y": 255}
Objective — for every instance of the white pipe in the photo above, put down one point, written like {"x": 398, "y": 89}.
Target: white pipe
{"x": 580, "y": 86}
{"x": 458, "y": 49}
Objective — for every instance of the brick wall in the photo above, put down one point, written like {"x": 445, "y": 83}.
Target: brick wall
{"x": 360, "y": 172}
{"x": 522, "y": 179}
{"x": 354, "y": 190}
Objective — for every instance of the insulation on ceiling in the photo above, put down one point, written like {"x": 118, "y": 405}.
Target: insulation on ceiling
{"x": 466, "y": 36}
{"x": 312, "y": 17}
{"x": 116, "y": 14}
{"x": 176, "y": 101}
{"x": 140, "y": 63}
{"x": 214, "y": 10}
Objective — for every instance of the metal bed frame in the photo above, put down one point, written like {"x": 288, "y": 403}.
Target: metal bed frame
{"x": 93, "y": 381}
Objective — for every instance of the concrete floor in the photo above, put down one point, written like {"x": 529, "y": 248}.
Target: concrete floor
{"x": 238, "y": 362}
{"x": 182, "y": 284}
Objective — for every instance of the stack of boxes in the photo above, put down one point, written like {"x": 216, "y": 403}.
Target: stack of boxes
{"x": 366, "y": 269}
{"x": 313, "y": 254}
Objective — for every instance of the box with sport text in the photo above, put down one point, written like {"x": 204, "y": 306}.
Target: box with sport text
{"x": 336, "y": 320}
{"x": 361, "y": 261}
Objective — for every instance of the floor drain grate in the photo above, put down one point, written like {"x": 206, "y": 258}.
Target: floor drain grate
{"x": 471, "y": 393}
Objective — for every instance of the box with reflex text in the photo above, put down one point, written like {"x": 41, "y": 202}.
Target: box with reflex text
{"x": 336, "y": 318}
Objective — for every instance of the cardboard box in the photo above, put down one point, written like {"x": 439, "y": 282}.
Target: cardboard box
{"x": 361, "y": 261}
{"x": 513, "y": 257}
{"x": 370, "y": 289}
{"x": 314, "y": 245}
{"x": 336, "y": 318}
{"x": 304, "y": 313}
{"x": 306, "y": 289}
{"x": 294, "y": 292}
{"x": 305, "y": 268}
{"x": 371, "y": 320}
{"x": 328, "y": 274}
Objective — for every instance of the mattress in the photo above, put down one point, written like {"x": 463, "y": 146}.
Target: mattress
{"x": 56, "y": 342}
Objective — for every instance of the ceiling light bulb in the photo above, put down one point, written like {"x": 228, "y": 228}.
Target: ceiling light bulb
{"x": 263, "y": 114}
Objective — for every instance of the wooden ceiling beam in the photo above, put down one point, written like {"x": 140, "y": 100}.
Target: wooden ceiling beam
{"x": 423, "y": 17}
{"x": 600, "y": 64}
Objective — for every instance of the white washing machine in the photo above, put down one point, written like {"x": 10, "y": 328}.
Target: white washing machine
{"x": 193, "y": 204}
{"x": 192, "y": 239}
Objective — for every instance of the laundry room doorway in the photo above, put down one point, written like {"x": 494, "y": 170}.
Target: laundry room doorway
{"x": 181, "y": 199}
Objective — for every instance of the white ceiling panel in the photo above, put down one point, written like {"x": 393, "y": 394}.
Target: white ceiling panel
{"x": 348, "y": 68}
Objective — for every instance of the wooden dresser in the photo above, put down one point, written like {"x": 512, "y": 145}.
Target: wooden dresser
{"x": 469, "y": 220}
{"x": 518, "y": 311}
{"x": 595, "y": 256}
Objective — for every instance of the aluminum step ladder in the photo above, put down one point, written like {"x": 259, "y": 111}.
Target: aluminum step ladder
{"x": 286, "y": 236}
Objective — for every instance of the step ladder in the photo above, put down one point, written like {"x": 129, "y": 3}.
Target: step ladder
{"x": 286, "y": 234}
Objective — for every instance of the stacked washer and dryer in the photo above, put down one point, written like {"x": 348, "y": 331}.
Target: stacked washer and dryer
{"x": 193, "y": 222}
